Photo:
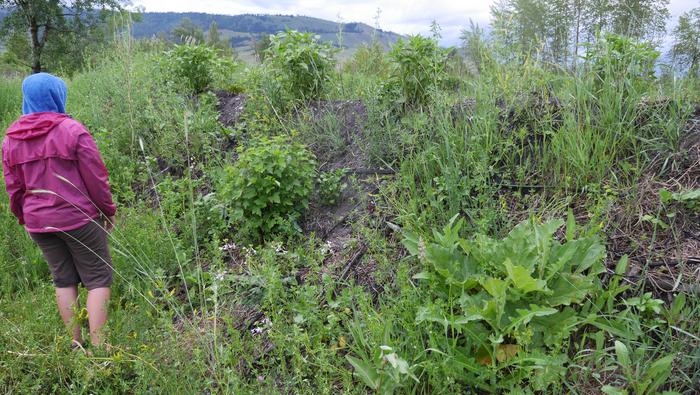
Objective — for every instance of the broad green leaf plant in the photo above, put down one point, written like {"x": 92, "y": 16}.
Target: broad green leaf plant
{"x": 194, "y": 67}
{"x": 505, "y": 307}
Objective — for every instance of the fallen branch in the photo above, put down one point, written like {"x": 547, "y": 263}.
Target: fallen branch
{"x": 359, "y": 253}
{"x": 690, "y": 260}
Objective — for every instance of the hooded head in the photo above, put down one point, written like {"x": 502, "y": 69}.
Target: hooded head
{"x": 44, "y": 92}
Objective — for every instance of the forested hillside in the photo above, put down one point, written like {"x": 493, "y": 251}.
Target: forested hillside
{"x": 240, "y": 30}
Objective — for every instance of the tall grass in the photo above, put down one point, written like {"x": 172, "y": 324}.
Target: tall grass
{"x": 10, "y": 102}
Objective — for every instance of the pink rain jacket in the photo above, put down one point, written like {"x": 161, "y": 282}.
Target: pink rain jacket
{"x": 54, "y": 174}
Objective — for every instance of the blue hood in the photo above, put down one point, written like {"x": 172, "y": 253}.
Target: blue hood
{"x": 44, "y": 92}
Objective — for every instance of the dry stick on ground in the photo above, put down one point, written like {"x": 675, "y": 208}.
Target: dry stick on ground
{"x": 359, "y": 253}
{"x": 694, "y": 260}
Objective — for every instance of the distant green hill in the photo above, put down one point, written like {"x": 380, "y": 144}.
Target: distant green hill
{"x": 243, "y": 30}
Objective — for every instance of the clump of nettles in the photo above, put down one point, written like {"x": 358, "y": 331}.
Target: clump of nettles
{"x": 268, "y": 188}
{"x": 195, "y": 68}
{"x": 418, "y": 68}
{"x": 304, "y": 63}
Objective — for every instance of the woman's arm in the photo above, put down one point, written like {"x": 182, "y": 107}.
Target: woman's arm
{"x": 94, "y": 174}
{"x": 15, "y": 188}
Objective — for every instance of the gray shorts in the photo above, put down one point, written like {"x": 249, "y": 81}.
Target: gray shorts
{"x": 77, "y": 256}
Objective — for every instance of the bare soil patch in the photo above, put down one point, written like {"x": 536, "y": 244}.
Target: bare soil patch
{"x": 665, "y": 254}
{"x": 231, "y": 106}
{"x": 334, "y": 224}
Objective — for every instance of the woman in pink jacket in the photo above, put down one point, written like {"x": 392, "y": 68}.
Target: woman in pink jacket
{"x": 59, "y": 191}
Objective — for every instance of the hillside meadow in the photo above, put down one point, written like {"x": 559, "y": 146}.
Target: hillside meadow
{"x": 397, "y": 223}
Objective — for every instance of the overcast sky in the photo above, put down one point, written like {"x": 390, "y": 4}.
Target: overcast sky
{"x": 404, "y": 17}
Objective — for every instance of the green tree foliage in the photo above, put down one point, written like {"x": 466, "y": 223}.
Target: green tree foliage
{"x": 213, "y": 36}
{"x": 260, "y": 47}
{"x": 686, "y": 43}
{"x": 560, "y": 16}
{"x": 186, "y": 31}
{"x": 214, "y": 39}
{"x": 475, "y": 45}
{"x": 18, "y": 49}
{"x": 521, "y": 24}
{"x": 553, "y": 30}
{"x": 639, "y": 19}
{"x": 61, "y": 27}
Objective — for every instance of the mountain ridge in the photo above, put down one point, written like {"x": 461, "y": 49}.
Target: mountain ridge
{"x": 242, "y": 30}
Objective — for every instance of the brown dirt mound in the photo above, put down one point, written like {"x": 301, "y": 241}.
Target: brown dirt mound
{"x": 351, "y": 116}
{"x": 690, "y": 140}
{"x": 231, "y": 106}
{"x": 334, "y": 224}
{"x": 663, "y": 240}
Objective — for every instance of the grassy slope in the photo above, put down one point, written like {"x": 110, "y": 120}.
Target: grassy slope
{"x": 171, "y": 338}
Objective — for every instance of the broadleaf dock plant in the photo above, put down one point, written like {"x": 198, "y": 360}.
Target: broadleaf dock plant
{"x": 505, "y": 307}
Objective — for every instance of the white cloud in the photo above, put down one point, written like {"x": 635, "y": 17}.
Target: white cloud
{"x": 405, "y": 17}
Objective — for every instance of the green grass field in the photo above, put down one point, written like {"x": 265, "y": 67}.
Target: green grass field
{"x": 395, "y": 224}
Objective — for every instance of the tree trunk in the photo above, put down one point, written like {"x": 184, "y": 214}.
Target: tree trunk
{"x": 38, "y": 43}
{"x": 36, "y": 46}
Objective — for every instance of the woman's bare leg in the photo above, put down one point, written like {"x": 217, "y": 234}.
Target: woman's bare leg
{"x": 67, "y": 301}
{"x": 97, "y": 304}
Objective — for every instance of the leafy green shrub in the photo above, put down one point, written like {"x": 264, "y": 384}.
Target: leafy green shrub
{"x": 369, "y": 59}
{"x": 306, "y": 64}
{"x": 269, "y": 187}
{"x": 505, "y": 307}
{"x": 195, "y": 66}
{"x": 330, "y": 186}
{"x": 621, "y": 62}
{"x": 418, "y": 68}
{"x": 268, "y": 93}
